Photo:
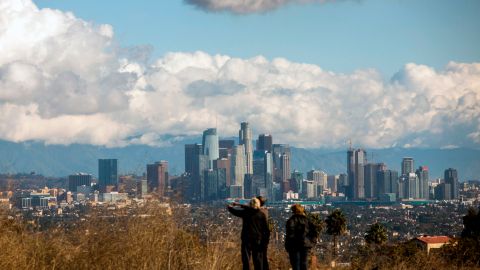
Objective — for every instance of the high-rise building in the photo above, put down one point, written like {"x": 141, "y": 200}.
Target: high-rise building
{"x": 296, "y": 180}
{"x": 210, "y": 145}
{"x": 342, "y": 183}
{"x": 227, "y": 144}
{"x": 245, "y": 139}
{"x": 332, "y": 183}
{"x": 224, "y": 163}
{"x": 451, "y": 178}
{"x": 408, "y": 165}
{"x": 387, "y": 182}
{"x": 370, "y": 178}
{"x": 142, "y": 188}
{"x": 157, "y": 176}
{"x": 264, "y": 142}
{"x": 281, "y": 153}
{"x": 77, "y": 180}
{"x": 422, "y": 174}
{"x": 412, "y": 187}
{"x": 263, "y": 169}
{"x": 443, "y": 191}
{"x": 198, "y": 177}
{"x": 356, "y": 159}
{"x": 107, "y": 173}
{"x": 238, "y": 168}
{"x": 320, "y": 178}
{"x": 191, "y": 151}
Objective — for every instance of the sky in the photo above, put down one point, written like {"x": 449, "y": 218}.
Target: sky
{"x": 314, "y": 73}
{"x": 342, "y": 36}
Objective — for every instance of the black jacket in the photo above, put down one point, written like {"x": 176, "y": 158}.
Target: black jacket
{"x": 299, "y": 233}
{"x": 255, "y": 230}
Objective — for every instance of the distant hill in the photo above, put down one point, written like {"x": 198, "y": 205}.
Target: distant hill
{"x": 61, "y": 160}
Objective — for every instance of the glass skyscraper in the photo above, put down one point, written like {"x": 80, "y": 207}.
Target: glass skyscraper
{"x": 107, "y": 173}
{"x": 210, "y": 145}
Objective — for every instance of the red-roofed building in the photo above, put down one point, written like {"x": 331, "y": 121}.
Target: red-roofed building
{"x": 431, "y": 242}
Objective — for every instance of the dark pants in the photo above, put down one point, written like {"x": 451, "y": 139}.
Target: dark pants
{"x": 299, "y": 259}
{"x": 256, "y": 253}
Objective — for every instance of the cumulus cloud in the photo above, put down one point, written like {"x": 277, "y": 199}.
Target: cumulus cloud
{"x": 247, "y": 6}
{"x": 71, "y": 84}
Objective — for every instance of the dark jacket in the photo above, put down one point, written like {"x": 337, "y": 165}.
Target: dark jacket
{"x": 255, "y": 230}
{"x": 299, "y": 233}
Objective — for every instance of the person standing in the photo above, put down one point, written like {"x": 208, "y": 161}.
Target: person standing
{"x": 297, "y": 239}
{"x": 255, "y": 234}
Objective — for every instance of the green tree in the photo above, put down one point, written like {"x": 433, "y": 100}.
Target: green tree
{"x": 376, "y": 234}
{"x": 316, "y": 220}
{"x": 336, "y": 226}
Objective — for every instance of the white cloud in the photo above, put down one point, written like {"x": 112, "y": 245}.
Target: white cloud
{"x": 247, "y": 6}
{"x": 70, "y": 84}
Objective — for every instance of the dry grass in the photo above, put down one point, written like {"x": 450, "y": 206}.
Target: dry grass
{"x": 152, "y": 242}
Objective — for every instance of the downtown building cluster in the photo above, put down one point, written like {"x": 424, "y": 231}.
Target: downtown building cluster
{"x": 374, "y": 181}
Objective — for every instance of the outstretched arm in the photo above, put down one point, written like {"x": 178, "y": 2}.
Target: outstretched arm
{"x": 234, "y": 211}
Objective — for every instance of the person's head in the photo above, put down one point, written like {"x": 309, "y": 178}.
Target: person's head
{"x": 297, "y": 209}
{"x": 262, "y": 200}
{"x": 255, "y": 203}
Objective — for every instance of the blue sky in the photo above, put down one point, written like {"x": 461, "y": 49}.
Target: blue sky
{"x": 342, "y": 36}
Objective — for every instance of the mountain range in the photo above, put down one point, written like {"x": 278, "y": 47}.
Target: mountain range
{"x": 62, "y": 160}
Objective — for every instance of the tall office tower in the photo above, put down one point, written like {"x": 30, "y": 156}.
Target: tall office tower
{"x": 198, "y": 178}
{"x": 107, "y": 173}
{"x": 356, "y": 160}
{"x": 285, "y": 167}
{"x": 370, "y": 176}
{"x": 157, "y": 176}
{"x": 228, "y": 144}
{"x": 211, "y": 184}
{"x": 210, "y": 145}
{"x": 238, "y": 167}
{"x": 222, "y": 189}
{"x": 281, "y": 171}
{"x": 451, "y": 178}
{"x": 264, "y": 142}
{"x": 408, "y": 165}
{"x": 142, "y": 188}
{"x": 443, "y": 191}
{"x": 296, "y": 180}
{"x": 191, "y": 152}
{"x": 342, "y": 183}
{"x": 269, "y": 176}
{"x": 318, "y": 177}
{"x": 422, "y": 174}
{"x": 245, "y": 139}
{"x": 412, "y": 187}
{"x": 387, "y": 182}
{"x": 224, "y": 163}
{"x": 332, "y": 182}
{"x": 77, "y": 180}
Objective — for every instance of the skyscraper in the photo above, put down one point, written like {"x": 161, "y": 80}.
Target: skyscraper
{"x": 387, "y": 182}
{"x": 264, "y": 142}
{"x": 210, "y": 145}
{"x": 79, "y": 179}
{"x": 245, "y": 139}
{"x": 356, "y": 160}
{"x": 191, "y": 151}
{"x": 422, "y": 174}
{"x": 157, "y": 176}
{"x": 238, "y": 167}
{"x": 451, "y": 178}
{"x": 370, "y": 176}
{"x": 408, "y": 165}
{"x": 281, "y": 153}
{"x": 107, "y": 173}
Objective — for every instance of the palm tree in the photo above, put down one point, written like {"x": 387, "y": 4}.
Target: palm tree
{"x": 376, "y": 234}
{"x": 336, "y": 226}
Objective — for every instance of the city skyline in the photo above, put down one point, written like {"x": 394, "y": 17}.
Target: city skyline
{"x": 87, "y": 85}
